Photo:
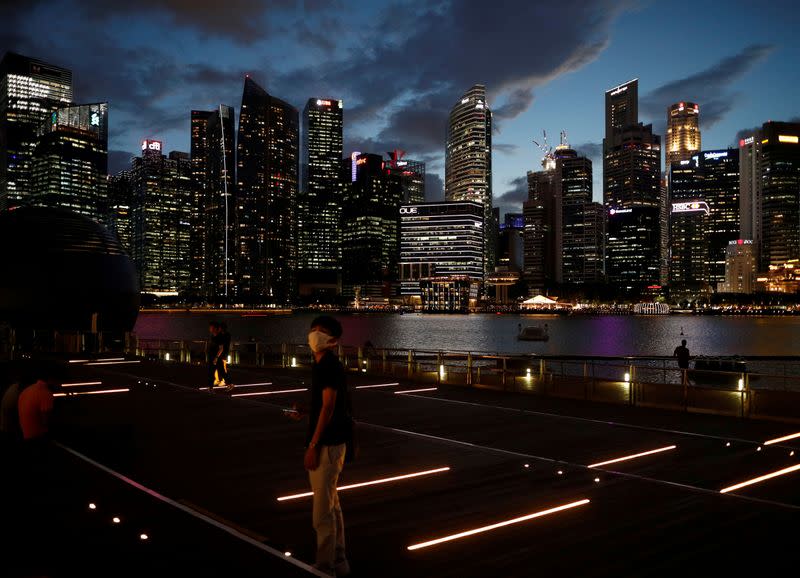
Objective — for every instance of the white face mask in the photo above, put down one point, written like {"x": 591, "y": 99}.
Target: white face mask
{"x": 319, "y": 341}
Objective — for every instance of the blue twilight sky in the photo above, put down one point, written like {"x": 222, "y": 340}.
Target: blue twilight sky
{"x": 401, "y": 65}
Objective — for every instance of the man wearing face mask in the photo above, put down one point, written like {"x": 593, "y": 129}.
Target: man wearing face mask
{"x": 329, "y": 428}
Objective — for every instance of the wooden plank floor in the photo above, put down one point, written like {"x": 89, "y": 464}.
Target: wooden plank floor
{"x": 509, "y": 455}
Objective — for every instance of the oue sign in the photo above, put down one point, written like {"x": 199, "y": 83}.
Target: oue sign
{"x": 408, "y": 210}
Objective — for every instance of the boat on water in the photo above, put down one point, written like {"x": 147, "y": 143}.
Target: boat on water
{"x": 534, "y": 333}
{"x": 651, "y": 309}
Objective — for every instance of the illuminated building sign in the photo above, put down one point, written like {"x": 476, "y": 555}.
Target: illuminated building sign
{"x": 361, "y": 161}
{"x": 353, "y": 160}
{"x": 710, "y": 156}
{"x": 691, "y": 207}
{"x": 95, "y": 120}
{"x": 402, "y": 163}
{"x": 788, "y": 138}
{"x": 619, "y": 90}
{"x": 151, "y": 145}
{"x": 323, "y": 102}
{"x": 746, "y": 141}
{"x": 741, "y": 242}
{"x": 619, "y": 211}
{"x": 408, "y": 210}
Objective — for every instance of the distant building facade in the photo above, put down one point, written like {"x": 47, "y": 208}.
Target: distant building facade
{"x": 468, "y": 159}
{"x": 683, "y": 139}
{"x": 411, "y": 174}
{"x": 689, "y": 246}
{"x": 440, "y": 241}
{"x": 69, "y": 164}
{"x": 161, "y": 219}
{"x": 740, "y": 267}
{"x": 30, "y": 91}
{"x": 268, "y": 151}
{"x": 320, "y": 199}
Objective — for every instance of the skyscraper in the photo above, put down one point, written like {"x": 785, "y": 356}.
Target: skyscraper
{"x": 719, "y": 171}
{"x": 689, "y": 246}
{"x": 266, "y": 206}
{"x": 542, "y": 214}
{"x": 740, "y": 267}
{"x": 30, "y": 90}
{"x": 468, "y": 159}
{"x": 632, "y": 180}
{"x": 213, "y": 213}
{"x": 69, "y": 164}
{"x": 780, "y": 194}
{"x": 320, "y": 198}
{"x": 370, "y": 228}
{"x": 750, "y": 186}
{"x": 161, "y": 212}
{"x": 120, "y": 203}
{"x": 683, "y": 132}
{"x": 411, "y": 173}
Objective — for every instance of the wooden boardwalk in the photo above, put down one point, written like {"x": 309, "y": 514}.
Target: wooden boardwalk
{"x": 509, "y": 456}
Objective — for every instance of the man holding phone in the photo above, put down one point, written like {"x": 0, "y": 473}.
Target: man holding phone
{"x": 329, "y": 428}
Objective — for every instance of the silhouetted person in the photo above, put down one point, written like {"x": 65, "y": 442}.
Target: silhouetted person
{"x": 682, "y": 353}
{"x": 218, "y": 349}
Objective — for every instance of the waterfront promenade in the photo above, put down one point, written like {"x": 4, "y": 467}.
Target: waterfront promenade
{"x": 499, "y": 462}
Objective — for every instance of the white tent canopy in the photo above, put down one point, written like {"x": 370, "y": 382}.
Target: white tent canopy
{"x": 540, "y": 300}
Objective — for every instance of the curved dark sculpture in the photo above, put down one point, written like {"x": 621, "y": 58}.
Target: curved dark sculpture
{"x": 59, "y": 268}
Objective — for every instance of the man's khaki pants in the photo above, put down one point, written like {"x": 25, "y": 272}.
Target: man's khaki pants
{"x": 328, "y": 522}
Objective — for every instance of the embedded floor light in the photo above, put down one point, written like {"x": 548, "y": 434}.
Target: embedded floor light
{"x": 116, "y": 520}
{"x": 92, "y": 506}
{"x": 96, "y": 392}
{"x": 252, "y": 384}
{"x": 254, "y": 393}
{"x": 144, "y": 537}
{"x": 597, "y": 480}
{"x": 760, "y": 479}
{"x": 376, "y": 385}
{"x": 782, "y": 439}
{"x": 371, "y": 483}
{"x": 497, "y": 525}
{"x": 81, "y": 383}
{"x": 631, "y": 457}
{"x": 113, "y": 362}
{"x": 416, "y": 390}
{"x": 287, "y": 554}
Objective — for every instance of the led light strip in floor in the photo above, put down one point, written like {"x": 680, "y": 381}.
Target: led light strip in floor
{"x": 252, "y": 393}
{"x": 376, "y": 385}
{"x": 78, "y": 384}
{"x": 79, "y": 360}
{"x": 112, "y": 362}
{"x": 498, "y": 525}
{"x": 416, "y": 390}
{"x": 632, "y": 457}
{"x": 782, "y": 472}
{"x": 783, "y": 439}
{"x": 96, "y": 392}
{"x": 252, "y": 384}
{"x": 370, "y": 483}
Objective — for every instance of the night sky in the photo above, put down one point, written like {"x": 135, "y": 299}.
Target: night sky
{"x": 400, "y": 66}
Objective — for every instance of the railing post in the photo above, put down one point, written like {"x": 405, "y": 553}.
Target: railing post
{"x": 283, "y": 354}
{"x": 469, "y": 368}
{"x": 503, "y": 376}
{"x": 410, "y": 364}
{"x": 383, "y": 360}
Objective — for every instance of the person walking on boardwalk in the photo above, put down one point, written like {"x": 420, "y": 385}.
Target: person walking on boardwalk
{"x": 682, "y": 353}
{"x": 329, "y": 430}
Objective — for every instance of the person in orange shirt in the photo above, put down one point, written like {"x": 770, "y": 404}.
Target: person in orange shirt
{"x": 35, "y": 404}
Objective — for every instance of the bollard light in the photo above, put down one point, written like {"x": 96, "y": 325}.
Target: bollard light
{"x": 166, "y": 356}
{"x": 441, "y": 371}
{"x": 627, "y": 377}
{"x": 294, "y": 362}
{"x": 528, "y": 373}
{"x": 229, "y": 359}
{"x": 741, "y": 384}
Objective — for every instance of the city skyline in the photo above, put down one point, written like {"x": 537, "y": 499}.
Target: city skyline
{"x": 740, "y": 78}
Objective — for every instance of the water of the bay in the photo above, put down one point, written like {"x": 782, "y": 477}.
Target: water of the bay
{"x": 570, "y": 335}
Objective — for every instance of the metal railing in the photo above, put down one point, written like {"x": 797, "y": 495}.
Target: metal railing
{"x": 769, "y": 387}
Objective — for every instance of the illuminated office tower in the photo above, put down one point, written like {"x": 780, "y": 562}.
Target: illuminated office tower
{"x": 411, "y": 173}
{"x": 440, "y": 241}
{"x": 689, "y": 246}
{"x": 161, "y": 211}
{"x": 740, "y": 267}
{"x": 683, "y": 132}
{"x": 370, "y": 228}
{"x": 510, "y": 243}
{"x": 719, "y": 171}
{"x": 120, "y": 202}
{"x": 213, "y": 190}
{"x": 69, "y": 165}
{"x": 268, "y": 148}
{"x": 30, "y": 91}
{"x": 632, "y": 180}
{"x": 468, "y": 160}
{"x": 780, "y": 193}
{"x": 319, "y": 244}
{"x": 750, "y": 187}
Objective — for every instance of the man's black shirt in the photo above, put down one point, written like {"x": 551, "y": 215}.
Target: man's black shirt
{"x": 682, "y": 353}
{"x": 328, "y": 372}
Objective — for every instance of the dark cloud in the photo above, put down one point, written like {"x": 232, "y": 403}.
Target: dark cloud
{"x": 412, "y": 70}
{"x": 515, "y": 195}
{"x": 118, "y": 161}
{"x": 591, "y": 150}
{"x": 505, "y": 148}
{"x": 434, "y": 187}
{"x": 708, "y": 88}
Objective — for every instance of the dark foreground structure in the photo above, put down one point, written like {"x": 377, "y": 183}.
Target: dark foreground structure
{"x": 451, "y": 481}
